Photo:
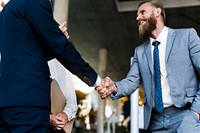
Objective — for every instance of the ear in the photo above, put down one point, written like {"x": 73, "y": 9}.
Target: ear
{"x": 157, "y": 12}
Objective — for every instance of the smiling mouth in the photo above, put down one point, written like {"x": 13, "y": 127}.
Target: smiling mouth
{"x": 141, "y": 22}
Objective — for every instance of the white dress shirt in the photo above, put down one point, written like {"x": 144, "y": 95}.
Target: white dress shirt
{"x": 64, "y": 80}
{"x": 162, "y": 38}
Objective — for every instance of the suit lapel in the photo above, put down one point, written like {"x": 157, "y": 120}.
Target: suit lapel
{"x": 149, "y": 55}
{"x": 170, "y": 40}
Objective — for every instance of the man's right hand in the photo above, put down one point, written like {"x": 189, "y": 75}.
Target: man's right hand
{"x": 106, "y": 88}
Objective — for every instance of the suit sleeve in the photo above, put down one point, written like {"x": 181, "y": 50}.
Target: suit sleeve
{"x": 132, "y": 81}
{"x": 194, "y": 48}
{"x": 39, "y": 15}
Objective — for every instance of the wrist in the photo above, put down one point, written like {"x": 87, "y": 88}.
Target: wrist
{"x": 115, "y": 88}
{"x": 197, "y": 114}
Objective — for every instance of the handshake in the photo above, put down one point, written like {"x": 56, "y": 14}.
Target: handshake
{"x": 106, "y": 87}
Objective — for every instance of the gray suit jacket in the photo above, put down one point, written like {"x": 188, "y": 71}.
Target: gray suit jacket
{"x": 182, "y": 64}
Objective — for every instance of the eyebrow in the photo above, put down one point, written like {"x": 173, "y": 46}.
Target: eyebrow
{"x": 141, "y": 11}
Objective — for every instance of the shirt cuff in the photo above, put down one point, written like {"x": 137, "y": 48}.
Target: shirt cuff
{"x": 98, "y": 81}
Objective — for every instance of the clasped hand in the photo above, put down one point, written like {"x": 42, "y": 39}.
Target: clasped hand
{"x": 58, "y": 121}
{"x": 106, "y": 88}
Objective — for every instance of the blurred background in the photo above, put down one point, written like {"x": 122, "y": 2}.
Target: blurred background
{"x": 110, "y": 25}
{"x": 105, "y": 33}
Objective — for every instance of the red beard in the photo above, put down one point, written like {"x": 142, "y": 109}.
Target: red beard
{"x": 147, "y": 27}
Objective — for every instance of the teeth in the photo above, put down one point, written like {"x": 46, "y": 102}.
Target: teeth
{"x": 141, "y": 22}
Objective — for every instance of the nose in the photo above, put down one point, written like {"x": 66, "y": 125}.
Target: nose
{"x": 138, "y": 17}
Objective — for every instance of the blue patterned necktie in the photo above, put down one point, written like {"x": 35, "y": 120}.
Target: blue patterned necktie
{"x": 158, "y": 89}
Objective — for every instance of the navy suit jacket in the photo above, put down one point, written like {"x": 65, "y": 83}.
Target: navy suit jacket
{"x": 29, "y": 37}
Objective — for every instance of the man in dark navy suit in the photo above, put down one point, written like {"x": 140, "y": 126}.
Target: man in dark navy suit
{"x": 29, "y": 37}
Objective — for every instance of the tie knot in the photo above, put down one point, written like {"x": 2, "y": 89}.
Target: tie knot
{"x": 155, "y": 43}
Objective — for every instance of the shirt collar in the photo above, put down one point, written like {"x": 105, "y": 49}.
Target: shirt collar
{"x": 162, "y": 36}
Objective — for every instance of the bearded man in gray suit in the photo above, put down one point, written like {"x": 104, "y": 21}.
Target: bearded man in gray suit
{"x": 179, "y": 59}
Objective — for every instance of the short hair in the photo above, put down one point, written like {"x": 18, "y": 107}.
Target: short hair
{"x": 157, "y": 4}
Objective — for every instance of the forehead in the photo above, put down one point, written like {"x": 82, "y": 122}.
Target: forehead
{"x": 145, "y": 7}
